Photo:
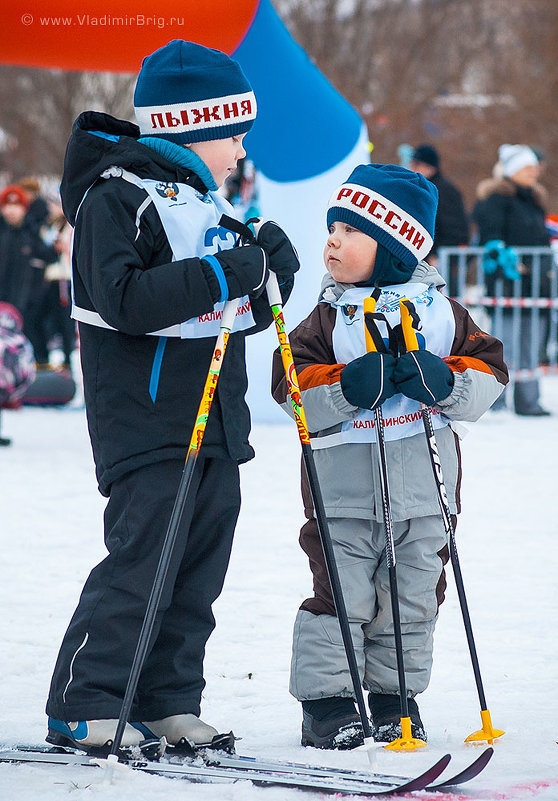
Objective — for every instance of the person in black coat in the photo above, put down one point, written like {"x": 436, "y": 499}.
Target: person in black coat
{"x": 154, "y": 262}
{"x": 23, "y": 256}
{"x": 511, "y": 210}
{"x": 452, "y": 223}
{"x": 38, "y": 212}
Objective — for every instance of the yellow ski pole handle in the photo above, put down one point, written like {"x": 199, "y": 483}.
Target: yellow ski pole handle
{"x": 409, "y": 333}
{"x": 369, "y": 309}
{"x": 227, "y": 322}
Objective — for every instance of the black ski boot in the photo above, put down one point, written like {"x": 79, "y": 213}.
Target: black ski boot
{"x": 332, "y": 723}
{"x": 386, "y": 718}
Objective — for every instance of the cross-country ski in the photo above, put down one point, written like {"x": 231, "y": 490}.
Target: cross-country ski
{"x": 225, "y": 767}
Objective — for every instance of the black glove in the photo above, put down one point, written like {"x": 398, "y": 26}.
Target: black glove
{"x": 283, "y": 258}
{"x": 368, "y": 381}
{"x": 423, "y": 376}
{"x": 246, "y": 270}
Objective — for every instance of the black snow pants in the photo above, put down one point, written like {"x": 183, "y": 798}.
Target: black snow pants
{"x": 94, "y": 661}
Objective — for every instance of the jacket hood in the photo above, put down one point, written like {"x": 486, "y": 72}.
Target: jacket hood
{"x": 423, "y": 273}
{"x": 507, "y": 188}
{"x": 99, "y": 141}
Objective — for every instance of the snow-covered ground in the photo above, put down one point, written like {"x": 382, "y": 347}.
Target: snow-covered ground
{"x": 51, "y": 536}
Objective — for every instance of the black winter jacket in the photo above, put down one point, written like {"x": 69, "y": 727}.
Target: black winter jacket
{"x": 516, "y": 215}
{"x": 135, "y": 286}
{"x": 23, "y": 256}
{"x": 452, "y": 224}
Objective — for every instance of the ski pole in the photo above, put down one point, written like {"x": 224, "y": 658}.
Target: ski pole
{"x": 408, "y": 322}
{"x": 227, "y": 321}
{"x": 276, "y": 304}
{"x": 406, "y": 742}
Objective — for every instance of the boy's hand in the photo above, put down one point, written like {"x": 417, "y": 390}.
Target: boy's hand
{"x": 423, "y": 376}
{"x": 368, "y": 381}
{"x": 283, "y": 258}
{"x": 246, "y": 270}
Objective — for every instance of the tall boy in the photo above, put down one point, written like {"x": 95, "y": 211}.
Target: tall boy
{"x": 381, "y": 224}
{"x": 152, "y": 267}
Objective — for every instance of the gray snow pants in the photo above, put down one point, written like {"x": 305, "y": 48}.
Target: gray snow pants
{"x": 319, "y": 664}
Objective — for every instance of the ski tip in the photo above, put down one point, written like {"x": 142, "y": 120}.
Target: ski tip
{"x": 468, "y": 773}
{"x": 423, "y": 781}
{"x": 445, "y": 760}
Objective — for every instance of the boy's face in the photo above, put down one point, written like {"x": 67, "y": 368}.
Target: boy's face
{"x": 349, "y": 255}
{"x": 220, "y": 155}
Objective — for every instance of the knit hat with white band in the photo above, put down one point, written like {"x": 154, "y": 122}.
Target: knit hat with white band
{"x": 514, "y": 157}
{"x": 189, "y": 93}
{"x": 393, "y": 205}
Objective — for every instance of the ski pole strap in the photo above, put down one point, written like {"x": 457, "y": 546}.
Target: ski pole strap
{"x": 370, "y": 330}
{"x": 244, "y": 232}
{"x": 373, "y": 338}
{"x": 227, "y": 321}
{"x": 410, "y": 324}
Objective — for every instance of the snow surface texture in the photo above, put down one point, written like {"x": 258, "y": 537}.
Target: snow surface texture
{"x": 51, "y": 519}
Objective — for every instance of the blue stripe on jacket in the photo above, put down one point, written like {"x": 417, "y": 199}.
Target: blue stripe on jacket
{"x": 156, "y": 368}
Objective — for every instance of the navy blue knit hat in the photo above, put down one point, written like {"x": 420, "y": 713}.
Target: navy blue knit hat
{"x": 393, "y": 205}
{"x": 189, "y": 93}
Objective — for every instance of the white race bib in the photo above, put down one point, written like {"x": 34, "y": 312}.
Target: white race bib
{"x": 402, "y": 416}
{"x": 191, "y": 223}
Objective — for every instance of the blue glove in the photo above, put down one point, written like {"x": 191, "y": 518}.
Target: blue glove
{"x": 499, "y": 255}
{"x": 367, "y": 382}
{"x": 423, "y": 376}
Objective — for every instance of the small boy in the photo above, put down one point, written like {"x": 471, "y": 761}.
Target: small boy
{"x": 153, "y": 265}
{"x": 381, "y": 224}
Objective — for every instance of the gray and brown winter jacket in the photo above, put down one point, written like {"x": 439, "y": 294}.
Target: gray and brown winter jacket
{"x": 348, "y": 472}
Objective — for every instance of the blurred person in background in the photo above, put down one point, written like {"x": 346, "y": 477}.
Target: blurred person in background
{"x": 17, "y": 363}
{"x": 510, "y": 212}
{"x": 54, "y": 328}
{"x": 38, "y": 212}
{"x": 452, "y": 223}
{"x": 23, "y": 256}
